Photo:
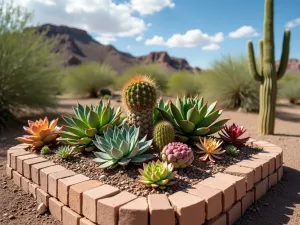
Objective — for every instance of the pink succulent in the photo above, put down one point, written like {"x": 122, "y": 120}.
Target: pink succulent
{"x": 231, "y": 134}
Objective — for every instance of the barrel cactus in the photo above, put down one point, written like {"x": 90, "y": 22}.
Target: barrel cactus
{"x": 178, "y": 154}
{"x": 140, "y": 95}
{"x": 163, "y": 134}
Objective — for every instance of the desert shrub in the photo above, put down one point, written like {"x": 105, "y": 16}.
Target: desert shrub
{"x": 289, "y": 88}
{"x": 184, "y": 83}
{"x": 28, "y": 69}
{"x": 230, "y": 82}
{"x": 88, "y": 78}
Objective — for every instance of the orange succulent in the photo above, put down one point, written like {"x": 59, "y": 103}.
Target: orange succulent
{"x": 42, "y": 133}
{"x": 211, "y": 148}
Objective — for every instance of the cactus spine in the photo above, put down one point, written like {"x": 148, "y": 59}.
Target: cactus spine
{"x": 267, "y": 74}
{"x": 139, "y": 96}
{"x": 163, "y": 134}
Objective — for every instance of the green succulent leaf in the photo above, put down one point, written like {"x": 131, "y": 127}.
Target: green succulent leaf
{"x": 187, "y": 126}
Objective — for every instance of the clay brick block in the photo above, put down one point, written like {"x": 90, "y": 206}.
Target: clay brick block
{"x": 75, "y": 193}
{"x": 244, "y": 172}
{"x": 55, "y": 208}
{"x": 63, "y": 186}
{"x": 280, "y": 173}
{"x": 25, "y": 184}
{"x": 32, "y": 189}
{"x": 250, "y": 141}
{"x": 273, "y": 178}
{"x": 42, "y": 197}
{"x": 44, "y": 173}
{"x": 227, "y": 188}
{"x": 277, "y": 155}
{"x": 256, "y": 166}
{"x": 134, "y": 212}
{"x": 17, "y": 178}
{"x": 11, "y": 151}
{"x": 213, "y": 199}
{"x": 9, "y": 171}
{"x": 90, "y": 198}
{"x": 20, "y": 160}
{"x": 27, "y": 164}
{"x": 35, "y": 171}
{"x": 234, "y": 213}
{"x": 53, "y": 180}
{"x": 13, "y": 158}
{"x": 270, "y": 158}
{"x": 84, "y": 221}
{"x": 190, "y": 210}
{"x": 161, "y": 212}
{"x": 247, "y": 201}
{"x": 219, "y": 220}
{"x": 264, "y": 164}
{"x": 240, "y": 183}
{"x": 262, "y": 144}
{"x": 70, "y": 217}
{"x": 261, "y": 189}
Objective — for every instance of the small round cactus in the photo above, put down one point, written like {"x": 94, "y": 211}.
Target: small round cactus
{"x": 163, "y": 134}
{"x": 178, "y": 154}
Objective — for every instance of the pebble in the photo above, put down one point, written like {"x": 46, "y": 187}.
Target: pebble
{"x": 41, "y": 209}
{"x": 12, "y": 217}
{"x": 5, "y": 214}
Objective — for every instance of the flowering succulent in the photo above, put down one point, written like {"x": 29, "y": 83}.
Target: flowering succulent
{"x": 65, "y": 152}
{"x": 157, "y": 174}
{"x": 121, "y": 147}
{"x": 211, "y": 149}
{"x": 45, "y": 150}
{"x": 178, "y": 154}
{"x": 232, "y": 150}
{"x": 42, "y": 133}
{"x": 231, "y": 134}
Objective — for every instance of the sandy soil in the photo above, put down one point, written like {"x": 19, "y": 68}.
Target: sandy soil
{"x": 281, "y": 205}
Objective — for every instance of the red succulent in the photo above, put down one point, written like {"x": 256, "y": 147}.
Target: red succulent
{"x": 231, "y": 134}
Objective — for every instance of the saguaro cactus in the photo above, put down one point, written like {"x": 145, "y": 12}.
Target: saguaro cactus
{"x": 267, "y": 74}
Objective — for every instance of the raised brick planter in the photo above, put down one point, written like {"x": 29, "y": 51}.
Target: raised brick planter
{"x": 75, "y": 199}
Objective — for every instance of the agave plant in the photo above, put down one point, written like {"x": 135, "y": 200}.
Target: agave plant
{"x": 120, "y": 146}
{"x": 232, "y": 150}
{"x": 231, "y": 134}
{"x": 88, "y": 122}
{"x": 192, "y": 118}
{"x": 157, "y": 174}
{"x": 41, "y": 133}
{"x": 211, "y": 148}
{"x": 161, "y": 104}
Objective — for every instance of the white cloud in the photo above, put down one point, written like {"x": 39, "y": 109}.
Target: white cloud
{"x": 244, "y": 31}
{"x": 191, "y": 38}
{"x": 139, "y": 38}
{"x": 211, "y": 47}
{"x": 105, "y": 39}
{"x": 293, "y": 23}
{"x": 147, "y": 7}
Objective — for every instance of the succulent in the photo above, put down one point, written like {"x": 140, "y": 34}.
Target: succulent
{"x": 65, "y": 152}
{"x": 88, "y": 122}
{"x": 163, "y": 134}
{"x": 192, "y": 118}
{"x": 231, "y": 134}
{"x": 41, "y": 133}
{"x": 211, "y": 148}
{"x": 45, "y": 150}
{"x": 121, "y": 146}
{"x": 232, "y": 150}
{"x": 161, "y": 104}
{"x": 157, "y": 174}
{"x": 178, "y": 154}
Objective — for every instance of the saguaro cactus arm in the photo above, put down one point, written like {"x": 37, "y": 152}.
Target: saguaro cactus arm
{"x": 261, "y": 56}
{"x": 252, "y": 63}
{"x": 284, "y": 55}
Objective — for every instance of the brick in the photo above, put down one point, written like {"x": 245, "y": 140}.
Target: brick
{"x": 261, "y": 189}
{"x": 20, "y": 160}
{"x": 9, "y": 171}
{"x": 35, "y": 171}
{"x": 55, "y": 208}
{"x": 17, "y": 178}
{"x": 250, "y": 141}
{"x": 161, "y": 212}
{"x": 262, "y": 144}
{"x": 272, "y": 148}
{"x": 244, "y": 172}
{"x": 219, "y": 220}
{"x": 134, "y": 212}
{"x": 32, "y": 189}
{"x": 247, "y": 201}
{"x": 75, "y": 193}
{"x": 70, "y": 217}
{"x": 234, "y": 213}
{"x": 280, "y": 173}
{"x": 90, "y": 198}
{"x": 25, "y": 184}
{"x": 240, "y": 184}
{"x": 27, "y": 164}
{"x": 84, "y": 221}
{"x": 190, "y": 210}
{"x": 42, "y": 197}
{"x": 11, "y": 151}
{"x": 63, "y": 186}
{"x": 273, "y": 179}
{"x": 264, "y": 164}
{"x": 44, "y": 175}
{"x": 53, "y": 180}
{"x": 270, "y": 158}
{"x": 13, "y": 158}
{"x": 213, "y": 199}
{"x": 277, "y": 155}
{"x": 256, "y": 166}
{"x": 226, "y": 187}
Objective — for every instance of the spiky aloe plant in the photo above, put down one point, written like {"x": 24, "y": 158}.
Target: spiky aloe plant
{"x": 163, "y": 134}
{"x": 65, "y": 152}
{"x": 161, "y": 104}
{"x": 267, "y": 74}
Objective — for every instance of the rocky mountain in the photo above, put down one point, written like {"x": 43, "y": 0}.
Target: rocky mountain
{"x": 79, "y": 47}
{"x": 293, "y": 66}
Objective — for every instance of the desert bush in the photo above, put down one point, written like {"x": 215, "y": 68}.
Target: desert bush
{"x": 289, "y": 88}
{"x": 28, "y": 69}
{"x": 88, "y": 78}
{"x": 184, "y": 83}
{"x": 229, "y": 82}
